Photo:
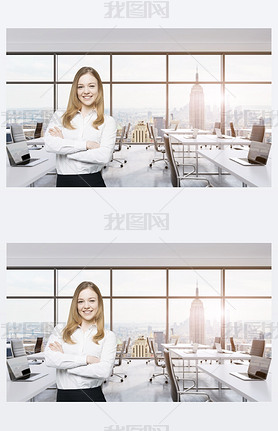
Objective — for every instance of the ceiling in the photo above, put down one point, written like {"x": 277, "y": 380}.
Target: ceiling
{"x": 158, "y": 254}
{"x": 132, "y": 40}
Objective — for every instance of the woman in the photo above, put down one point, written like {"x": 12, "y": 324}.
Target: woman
{"x": 82, "y": 352}
{"x": 82, "y": 137}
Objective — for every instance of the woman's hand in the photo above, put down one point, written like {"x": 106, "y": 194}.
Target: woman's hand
{"x": 92, "y": 359}
{"x": 56, "y": 132}
{"x": 56, "y": 347}
{"x": 91, "y": 145}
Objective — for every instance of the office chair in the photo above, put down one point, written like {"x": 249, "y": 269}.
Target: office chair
{"x": 233, "y": 347}
{"x": 126, "y": 140}
{"x": 151, "y": 137}
{"x": 150, "y": 350}
{"x": 38, "y": 130}
{"x": 233, "y": 132}
{"x": 118, "y": 147}
{"x": 176, "y": 178}
{"x": 128, "y": 360}
{"x": 159, "y": 147}
{"x": 17, "y": 347}
{"x": 216, "y": 340}
{"x": 176, "y": 392}
{"x": 257, "y": 348}
{"x": 217, "y": 125}
{"x": 118, "y": 363}
{"x": 257, "y": 133}
{"x": 38, "y": 345}
{"x": 159, "y": 363}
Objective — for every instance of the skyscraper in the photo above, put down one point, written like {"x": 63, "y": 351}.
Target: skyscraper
{"x": 197, "y": 105}
{"x": 140, "y": 348}
{"x": 197, "y": 320}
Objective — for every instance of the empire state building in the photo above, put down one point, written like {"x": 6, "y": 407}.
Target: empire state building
{"x": 197, "y": 320}
{"x": 197, "y": 105}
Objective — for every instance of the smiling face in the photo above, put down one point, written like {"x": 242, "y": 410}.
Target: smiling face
{"x": 87, "y": 90}
{"x": 87, "y": 305}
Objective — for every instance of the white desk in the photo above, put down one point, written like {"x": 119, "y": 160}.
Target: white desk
{"x": 184, "y": 132}
{"x": 25, "y": 391}
{"x": 208, "y": 354}
{"x": 20, "y": 176}
{"x": 249, "y": 390}
{"x": 184, "y": 346}
{"x": 254, "y": 176}
{"x": 204, "y": 140}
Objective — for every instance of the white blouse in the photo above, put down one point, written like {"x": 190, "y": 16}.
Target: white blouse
{"x": 72, "y": 157}
{"x": 72, "y": 370}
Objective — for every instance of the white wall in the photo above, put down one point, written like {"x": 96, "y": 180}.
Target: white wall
{"x": 139, "y": 255}
{"x": 115, "y": 40}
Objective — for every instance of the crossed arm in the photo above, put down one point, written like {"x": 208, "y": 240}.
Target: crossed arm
{"x": 82, "y": 365}
{"x": 57, "y": 133}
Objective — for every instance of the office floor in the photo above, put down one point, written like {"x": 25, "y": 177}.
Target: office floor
{"x": 137, "y": 387}
{"x": 137, "y": 172}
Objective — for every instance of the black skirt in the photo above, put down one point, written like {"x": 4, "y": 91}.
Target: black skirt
{"x": 80, "y": 395}
{"x": 82, "y": 180}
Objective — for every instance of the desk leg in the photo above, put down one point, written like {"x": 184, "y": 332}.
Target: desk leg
{"x": 220, "y": 389}
{"x": 197, "y": 376}
{"x": 183, "y": 373}
{"x": 197, "y": 163}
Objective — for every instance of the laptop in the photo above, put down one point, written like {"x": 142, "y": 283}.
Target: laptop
{"x": 257, "y": 155}
{"x": 19, "y": 370}
{"x": 194, "y": 135}
{"x": 219, "y": 133}
{"x": 257, "y": 370}
{"x": 219, "y": 348}
{"x": 19, "y": 155}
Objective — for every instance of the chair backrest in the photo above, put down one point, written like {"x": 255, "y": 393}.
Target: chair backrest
{"x": 38, "y": 345}
{"x": 127, "y": 346}
{"x": 170, "y": 157}
{"x": 119, "y": 358}
{"x": 257, "y": 348}
{"x": 156, "y": 361}
{"x": 120, "y": 141}
{"x": 149, "y": 131}
{"x": 149, "y": 345}
{"x": 156, "y": 145}
{"x": 17, "y": 132}
{"x": 127, "y": 131}
{"x": 217, "y": 125}
{"x": 173, "y": 381}
{"x": 257, "y": 133}
{"x": 216, "y": 340}
{"x": 233, "y": 132}
{"x": 38, "y": 130}
{"x": 17, "y": 347}
{"x": 233, "y": 347}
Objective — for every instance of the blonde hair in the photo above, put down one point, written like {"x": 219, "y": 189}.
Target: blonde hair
{"x": 74, "y": 319}
{"x": 74, "y": 103}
